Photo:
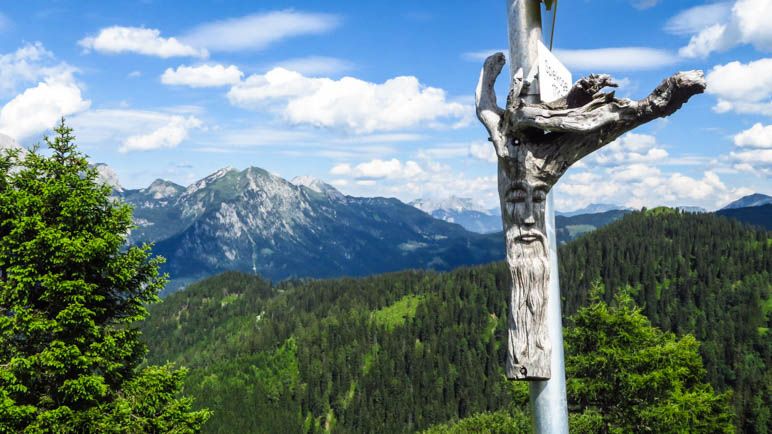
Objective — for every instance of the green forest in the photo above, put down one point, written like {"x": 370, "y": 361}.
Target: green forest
{"x": 420, "y": 350}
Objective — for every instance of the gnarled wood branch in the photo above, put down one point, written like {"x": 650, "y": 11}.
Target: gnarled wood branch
{"x": 488, "y": 111}
{"x": 603, "y": 110}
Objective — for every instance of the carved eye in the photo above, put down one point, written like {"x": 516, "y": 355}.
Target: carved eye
{"x": 517, "y": 195}
{"x": 539, "y": 196}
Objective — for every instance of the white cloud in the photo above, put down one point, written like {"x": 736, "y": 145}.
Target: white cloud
{"x": 694, "y": 20}
{"x": 640, "y": 185}
{"x": 379, "y": 169}
{"x": 616, "y": 59}
{"x": 108, "y": 127}
{"x": 348, "y": 103}
{"x": 29, "y": 64}
{"x": 255, "y": 32}
{"x": 742, "y": 87}
{"x": 38, "y": 108}
{"x": 629, "y": 149}
{"x": 410, "y": 180}
{"x": 165, "y": 137}
{"x": 753, "y": 152}
{"x": 202, "y": 76}
{"x": 139, "y": 40}
{"x": 746, "y": 23}
{"x": 758, "y": 136}
{"x": 483, "y": 151}
{"x": 341, "y": 169}
{"x": 135, "y": 74}
{"x": 316, "y": 65}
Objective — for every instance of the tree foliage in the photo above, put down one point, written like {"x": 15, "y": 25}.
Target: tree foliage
{"x": 626, "y": 376}
{"x": 405, "y": 351}
{"x": 71, "y": 294}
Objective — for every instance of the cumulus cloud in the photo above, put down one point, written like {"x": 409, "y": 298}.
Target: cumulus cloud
{"x": 742, "y": 87}
{"x": 29, "y": 64}
{"x": 483, "y": 151}
{"x": 643, "y": 185}
{"x": 409, "y": 180}
{"x": 37, "y": 108}
{"x": 631, "y": 148}
{"x": 255, "y": 32}
{"x": 139, "y": 40}
{"x": 753, "y": 152}
{"x": 202, "y": 76}
{"x": 758, "y": 136}
{"x": 379, "y": 169}
{"x": 160, "y": 129}
{"x": 165, "y": 137}
{"x": 720, "y": 27}
{"x": 348, "y": 103}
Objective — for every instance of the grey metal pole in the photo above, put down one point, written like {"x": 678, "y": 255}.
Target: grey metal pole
{"x": 548, "y": 398}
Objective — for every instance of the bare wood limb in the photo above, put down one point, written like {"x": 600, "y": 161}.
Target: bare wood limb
{"x": 604, "y": 110}
{"x": 488, "y": 111}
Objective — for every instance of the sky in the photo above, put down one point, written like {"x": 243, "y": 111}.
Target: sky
{"x": 377, "y": 97}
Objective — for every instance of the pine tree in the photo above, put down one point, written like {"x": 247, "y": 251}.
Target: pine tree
{"x": 71, "y": 294}
{"x": 624, "y": 375}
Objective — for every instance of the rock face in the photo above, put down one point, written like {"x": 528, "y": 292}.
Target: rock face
{"x": 254, "y": 221}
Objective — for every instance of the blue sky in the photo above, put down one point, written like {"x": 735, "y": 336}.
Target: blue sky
{"x": 376, "y": 98}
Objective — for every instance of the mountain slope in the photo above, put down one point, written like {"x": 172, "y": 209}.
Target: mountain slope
{"x": 758, "y": 215}
{"x": 402, "y": 351}
{"x": 463, "y": 211}
{"x": 756, "y": 199}
{"x": 254, "y": 221}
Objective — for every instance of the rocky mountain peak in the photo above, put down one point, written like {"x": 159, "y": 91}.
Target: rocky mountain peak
{"x": 317, "y": 185}
{"x": 107, "y": 176}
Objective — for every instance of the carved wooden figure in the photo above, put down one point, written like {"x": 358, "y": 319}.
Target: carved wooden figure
{"x": 536, "y": 143}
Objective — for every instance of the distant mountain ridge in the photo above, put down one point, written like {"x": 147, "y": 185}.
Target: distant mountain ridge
{"x": 472, "y": 215}
{"x": 593, "y": 208}
{"x": 756, "y": 199}
{"x": 257, "y": 222}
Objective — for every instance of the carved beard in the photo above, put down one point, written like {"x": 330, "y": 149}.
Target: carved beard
{"x": 529, "y": 267}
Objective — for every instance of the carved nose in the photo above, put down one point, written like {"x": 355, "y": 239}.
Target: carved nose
{"x": 529, "y": 220}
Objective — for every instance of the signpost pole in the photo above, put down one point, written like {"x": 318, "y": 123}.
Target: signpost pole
{"x": 548, "y": 398}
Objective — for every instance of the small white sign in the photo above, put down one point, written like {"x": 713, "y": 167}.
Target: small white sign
{"x": 554, "y": 78}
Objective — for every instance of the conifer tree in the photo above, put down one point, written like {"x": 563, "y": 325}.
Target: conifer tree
{"x": 624, "y": 375}
{"x": 71, "y": 294}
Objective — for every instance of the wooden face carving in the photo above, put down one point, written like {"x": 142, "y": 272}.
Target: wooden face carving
{"x": 523, "y": 193}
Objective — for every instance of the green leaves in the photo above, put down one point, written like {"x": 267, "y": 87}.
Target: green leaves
{"x": 69, "y": 292}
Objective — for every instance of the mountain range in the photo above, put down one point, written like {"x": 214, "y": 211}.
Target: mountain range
{"x": 756, "y": 199}
{"x": 254, "y": 221}
{"x": 471, "y": 215}
{"x": 257, "y": 222}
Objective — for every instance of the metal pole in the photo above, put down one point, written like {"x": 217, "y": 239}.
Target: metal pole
{"x": 548, "y": 398}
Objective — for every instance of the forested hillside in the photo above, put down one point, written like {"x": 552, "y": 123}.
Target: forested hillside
{"x": 405, "y": 351}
